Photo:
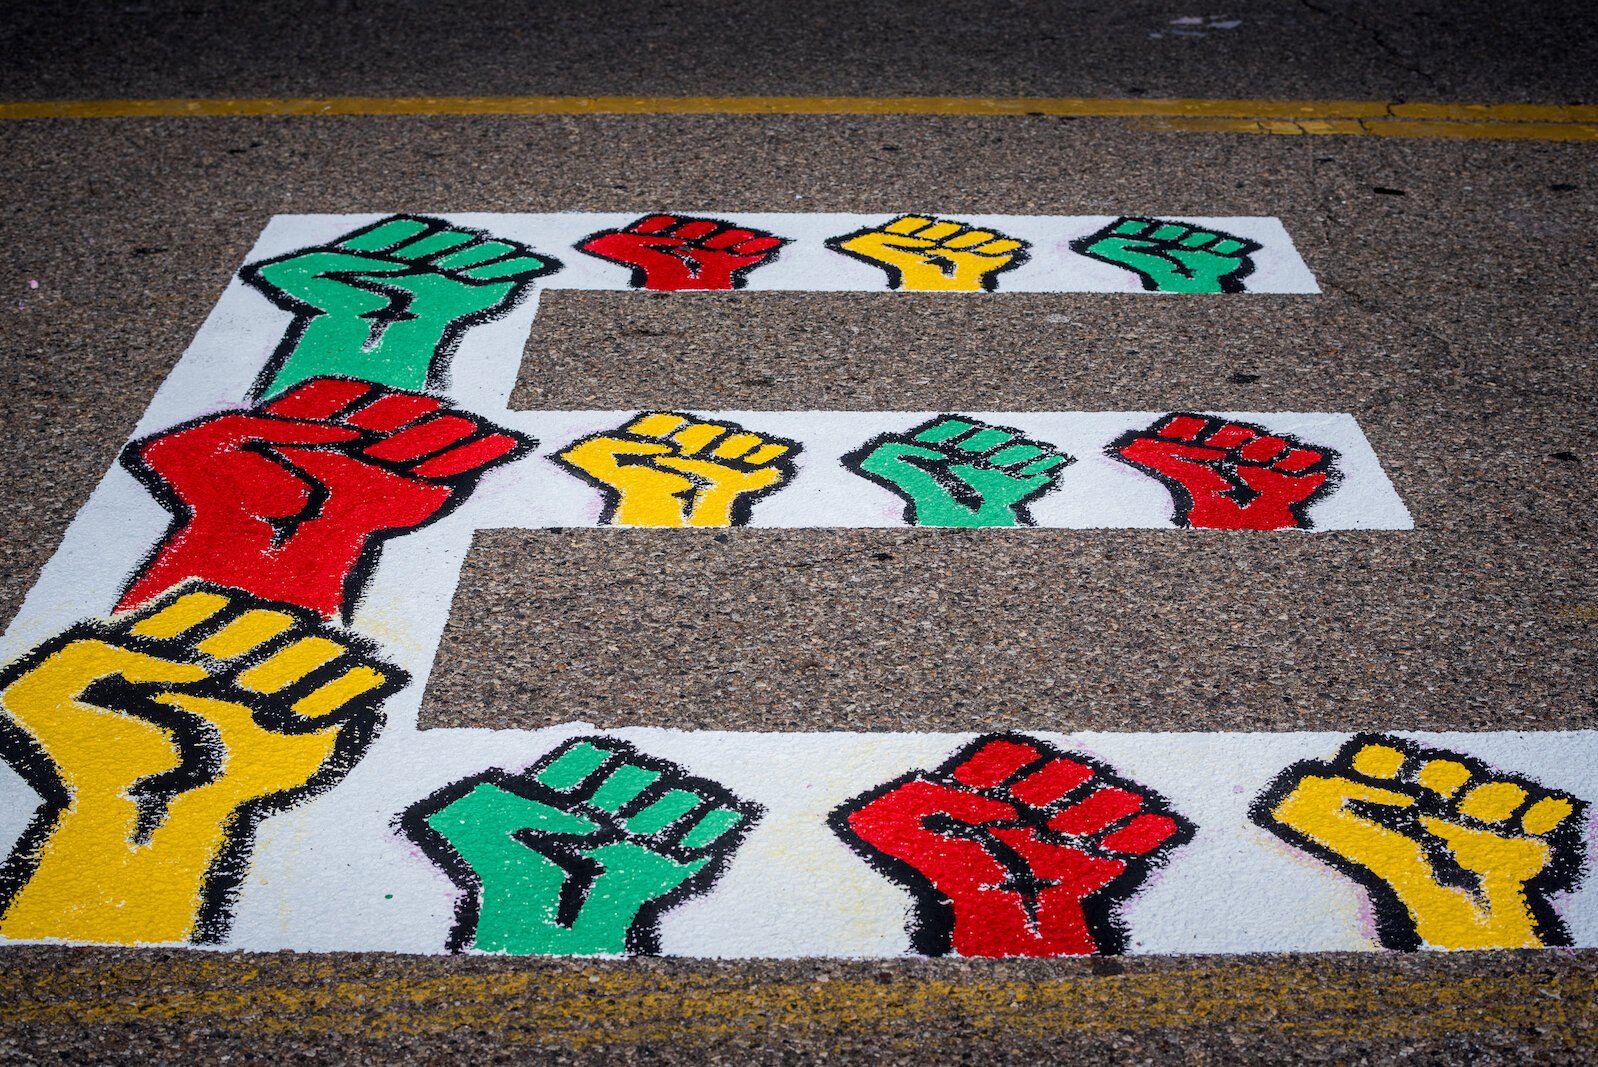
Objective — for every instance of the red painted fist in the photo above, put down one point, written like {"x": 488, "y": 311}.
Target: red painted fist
{"x": 1013, "y": 848}
{"x": 291, "y": 500}
{"x": 1230, "y": 475}
{"x": 671, "y": 254}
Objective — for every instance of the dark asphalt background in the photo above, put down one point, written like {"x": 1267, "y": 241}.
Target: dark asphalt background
{"x": 1455, "y": 325}
{"x": 1464, "y": 51}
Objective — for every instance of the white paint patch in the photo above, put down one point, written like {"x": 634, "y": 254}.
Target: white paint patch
{"x": 806, "y": 264}
{"x": 1195, "y": 26}
{"x": 1096, "y": 491}
{"x": 335, "y": 874}
{"x": 406, "y": 600}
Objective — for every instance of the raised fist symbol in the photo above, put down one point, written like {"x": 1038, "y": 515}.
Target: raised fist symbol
{"x": 934, "y": 255}
{"x": 1230, "y": 475}
{"x": 670, "y": 469}
{"x": 288, "y": 500}
{"x": 1014, "y": 848}
{"x": 388, "y": 303}
{"x": 955, "y": 470}
{"x": 672, "y": 254}
{"x": 1173, "y": 257}
{"x": 580, "y": 854}
{"x": 1453, "y": 852}
{"x": 158, "y": 740}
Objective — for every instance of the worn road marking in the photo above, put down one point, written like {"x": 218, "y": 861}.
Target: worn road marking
{"x": 606, "y": 1005}
{"x": 1550, "y": 122}
{"x": 1447, "y": 130}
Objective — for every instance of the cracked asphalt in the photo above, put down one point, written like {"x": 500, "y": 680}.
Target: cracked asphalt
{"x": 1455, "y": 324}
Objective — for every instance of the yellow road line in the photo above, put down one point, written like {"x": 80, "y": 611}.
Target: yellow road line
{"x": 1420, "y": 129}
{"x": 584, "y": 1005}
{"x": 1343, "y": 117}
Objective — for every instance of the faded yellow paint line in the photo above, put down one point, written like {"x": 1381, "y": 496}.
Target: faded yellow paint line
{"x": 1256, "y": 116}
{"x": 1411, "y": 129}
{"x": 554, "y": 1004}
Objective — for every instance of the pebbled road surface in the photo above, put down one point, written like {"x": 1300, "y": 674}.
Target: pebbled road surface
{"x": 1455, "y": 325}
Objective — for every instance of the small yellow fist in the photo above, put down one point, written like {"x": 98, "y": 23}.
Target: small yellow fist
{"x": 934, "y": 255}
{"x": 668, "y": 469}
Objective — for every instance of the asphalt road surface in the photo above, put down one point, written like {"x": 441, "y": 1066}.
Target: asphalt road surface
{"x": 1455, "y": 324}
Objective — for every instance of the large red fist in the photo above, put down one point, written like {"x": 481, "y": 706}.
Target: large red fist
{"x": 291, "y": 500}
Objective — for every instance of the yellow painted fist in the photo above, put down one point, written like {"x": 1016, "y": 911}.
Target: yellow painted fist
{"x": 1454, "y": 853}
{"x": 934, "y": 255}
{"x": 669, "y": 469}
{"x": 158, "y": 740}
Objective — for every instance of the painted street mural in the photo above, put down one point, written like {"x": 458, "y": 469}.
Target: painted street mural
{"x": 1013, "y": 848}
{"x": 398, "y": 294}
{"x": 580, "y": 854}
{"x": 934, "y": 255}
{"x": 668, "y": 469}
{"x": 1169, "y": 256}
{"x": 1455, "y": 853}
{"x": 1261, "y": 471}
{"x": 158, "y": 740}
{"x": 209, "y": 704}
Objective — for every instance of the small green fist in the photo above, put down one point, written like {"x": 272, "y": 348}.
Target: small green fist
{"x": 388, "y": 303}
{"x": 1173, "y": 257}
{"x": 581, "y": 854}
